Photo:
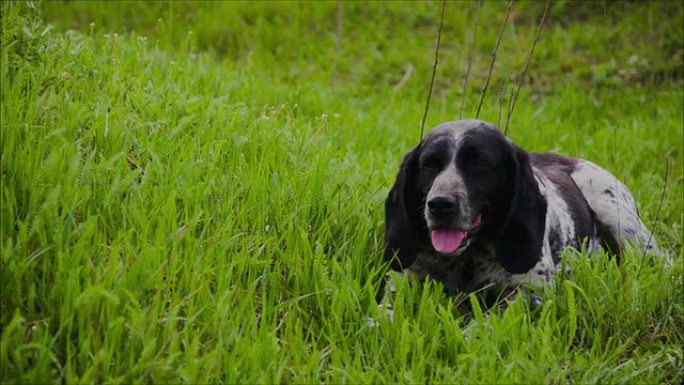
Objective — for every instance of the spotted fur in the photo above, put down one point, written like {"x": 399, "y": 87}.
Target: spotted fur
{"x": 532, "y": 207}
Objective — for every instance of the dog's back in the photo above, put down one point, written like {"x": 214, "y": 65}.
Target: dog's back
{"x": 614, "y": 208}
{"x": 596, "y": 196}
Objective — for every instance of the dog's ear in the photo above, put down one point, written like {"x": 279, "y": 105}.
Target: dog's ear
{"x": 402, "y": 215}
{"x": 519, "y": 239}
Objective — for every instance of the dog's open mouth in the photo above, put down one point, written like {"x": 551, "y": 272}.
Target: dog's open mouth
{"x": 448, "y": 241}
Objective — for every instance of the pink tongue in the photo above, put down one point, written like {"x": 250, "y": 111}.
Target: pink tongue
{"x": 447, "y": 241}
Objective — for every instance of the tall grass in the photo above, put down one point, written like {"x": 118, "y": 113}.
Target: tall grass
{"x": 189, "y": 195}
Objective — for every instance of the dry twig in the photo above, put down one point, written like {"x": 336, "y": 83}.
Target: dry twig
{"x": 434, "y": 70}
{"x": 521, "y": 79}
{"x": 470, "y": 58}
{"x": 404, "y": 79}
{"x": 655, "y": 221}
{"x": 502, "y": 97}
{"x": 491, "y": 65}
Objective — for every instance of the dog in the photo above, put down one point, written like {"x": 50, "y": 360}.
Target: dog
{"x": 474, "y": 211}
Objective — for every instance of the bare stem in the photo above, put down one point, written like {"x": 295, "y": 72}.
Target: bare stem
{"x": 491, "y": 65}
{"x": 434, "y": 70}
{"x": 523, "y": 74}
{"x": 655, "y": 221}
{"x": 502, "y": 97}
{"x": 405, "y": 78}
{"x": 470, "y": 59}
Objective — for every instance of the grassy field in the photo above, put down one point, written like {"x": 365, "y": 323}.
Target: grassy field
{"x": 193, "y": 192}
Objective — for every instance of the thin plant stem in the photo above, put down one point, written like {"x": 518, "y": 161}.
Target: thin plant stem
{"x": 491, "y": 65}
{"x": 434, "y": 70}
{"x": 466, "y": 77}
{"x": 523, "y": 74}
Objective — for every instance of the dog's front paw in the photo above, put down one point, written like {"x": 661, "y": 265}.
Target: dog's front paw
{"x": 535, "y": 301}
{"x": 387, "y": 308}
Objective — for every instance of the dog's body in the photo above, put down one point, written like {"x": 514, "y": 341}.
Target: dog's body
{"x": 472, "y": 210}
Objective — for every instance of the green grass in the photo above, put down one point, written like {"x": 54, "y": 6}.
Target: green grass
{"x": 207, "y": 206}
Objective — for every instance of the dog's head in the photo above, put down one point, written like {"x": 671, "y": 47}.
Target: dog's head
{"x": 465, "y": 181}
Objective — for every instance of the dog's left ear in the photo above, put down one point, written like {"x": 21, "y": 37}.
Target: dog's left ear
{"x": 519, "y": 240}
{"x": 402, "y": 215}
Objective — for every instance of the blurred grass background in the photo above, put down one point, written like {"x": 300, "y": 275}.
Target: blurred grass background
{"x": 192, "y": 191}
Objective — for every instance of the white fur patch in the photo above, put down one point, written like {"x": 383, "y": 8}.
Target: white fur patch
{"x": 612, "y": 203}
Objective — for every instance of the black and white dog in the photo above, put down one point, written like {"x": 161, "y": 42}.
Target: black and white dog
{"x": 474, "y": 211}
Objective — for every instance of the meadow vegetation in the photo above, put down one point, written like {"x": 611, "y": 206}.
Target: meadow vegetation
{"x": 193, "y": 191}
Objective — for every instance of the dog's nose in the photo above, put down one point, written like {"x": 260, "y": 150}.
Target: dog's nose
{"x": 443, "y": 205}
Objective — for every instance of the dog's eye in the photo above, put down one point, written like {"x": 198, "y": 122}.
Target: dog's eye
{"x": 480, "y": 162}
{"x": 430, "y": 163}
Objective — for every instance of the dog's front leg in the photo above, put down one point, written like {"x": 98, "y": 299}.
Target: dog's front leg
{"x": 386, "y": 293}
